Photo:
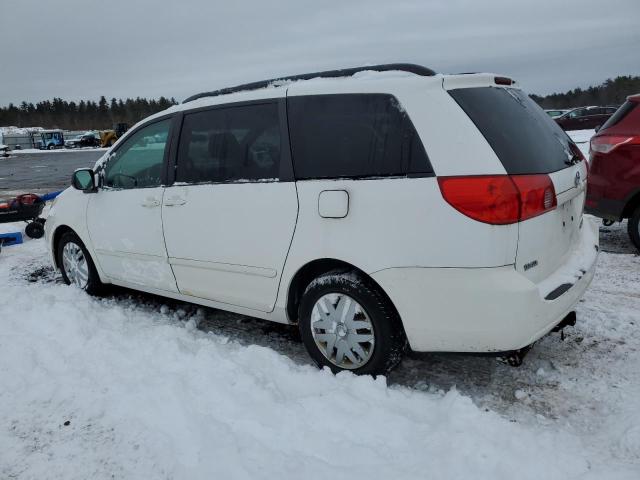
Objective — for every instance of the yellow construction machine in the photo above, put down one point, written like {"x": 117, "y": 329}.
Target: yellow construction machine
{"x": 109, "y": 137}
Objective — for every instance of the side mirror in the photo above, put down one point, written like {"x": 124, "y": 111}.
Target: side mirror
{"x": 84, "y": 179}
{"x": 597, "y": 128}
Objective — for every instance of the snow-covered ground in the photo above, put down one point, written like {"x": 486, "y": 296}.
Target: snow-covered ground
{"x": 135, "y": 386}
{"x": 581, "y": 138}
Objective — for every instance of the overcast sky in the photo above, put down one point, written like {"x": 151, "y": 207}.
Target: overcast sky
{"x": 78, "y": 49}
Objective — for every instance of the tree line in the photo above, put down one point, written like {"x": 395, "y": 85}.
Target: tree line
{"x": 84, "y": 115}
{"x": 611, "y": 92}
{"x": 91, "y": 115}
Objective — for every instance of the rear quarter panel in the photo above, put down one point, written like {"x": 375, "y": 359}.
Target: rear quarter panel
{"x": 616, "y": 175}
{"x": 404, "y": 222}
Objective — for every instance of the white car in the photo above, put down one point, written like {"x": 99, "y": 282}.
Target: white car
{"x": 376, "y": 208}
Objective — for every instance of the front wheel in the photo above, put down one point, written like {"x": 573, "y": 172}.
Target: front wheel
{"x": 76, "y": 264}
{"x": 347, "y": 323}
{"x": 633, "y": 227}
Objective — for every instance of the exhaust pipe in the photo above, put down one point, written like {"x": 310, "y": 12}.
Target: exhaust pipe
{"x": 515, "y": 358}
{"x": 568, "y": 321}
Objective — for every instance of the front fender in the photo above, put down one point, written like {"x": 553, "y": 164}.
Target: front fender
{"x": 69, "y": 211}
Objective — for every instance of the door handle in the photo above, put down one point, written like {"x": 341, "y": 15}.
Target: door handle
{"x": 150, "y": 202}
{"x": 174, "y": 201}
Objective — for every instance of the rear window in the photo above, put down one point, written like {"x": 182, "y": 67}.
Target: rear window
{"x": 523, "y": 136}
{"x": 622, "y": 113}
{"x": 353, "y": 135}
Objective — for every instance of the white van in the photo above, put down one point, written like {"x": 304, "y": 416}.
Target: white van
{"x": 375, "y": 207}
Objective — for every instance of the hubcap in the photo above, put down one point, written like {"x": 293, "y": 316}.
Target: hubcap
{"x": 75, "y": 265}
{"x": 342, "y": 331}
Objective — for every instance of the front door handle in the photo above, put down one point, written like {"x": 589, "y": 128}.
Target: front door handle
{"x": 174, "y": 201}
{"x": 150, "y": 202}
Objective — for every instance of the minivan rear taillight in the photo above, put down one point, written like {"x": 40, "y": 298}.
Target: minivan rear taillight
{"x": 607, "y": 143}
{"x": 499, "y": 199}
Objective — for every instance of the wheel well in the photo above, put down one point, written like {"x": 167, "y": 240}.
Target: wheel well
{"x": 631, "y": 205}
{"x": 305, "y": 275}
{"x": 61, "y": 230}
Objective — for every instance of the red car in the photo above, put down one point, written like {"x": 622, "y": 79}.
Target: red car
{"x": 613, "y": 190}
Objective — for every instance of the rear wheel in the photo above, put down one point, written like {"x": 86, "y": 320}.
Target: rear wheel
{"x": 633, "y": 227}
{"x": 34, "y": 229}
{"x": 76, "y": 264}
{"x": 346, "y": 323}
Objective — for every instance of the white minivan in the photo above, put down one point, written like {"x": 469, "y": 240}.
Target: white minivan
{"x": 377, "y": 208}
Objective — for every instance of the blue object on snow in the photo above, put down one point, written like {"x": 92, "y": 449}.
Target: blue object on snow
{"x": 50, "y": 196}
{"x": 8, "y": 239}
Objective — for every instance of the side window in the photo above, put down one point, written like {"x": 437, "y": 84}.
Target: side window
{"x": 138, "y": 162}
{"x": 581, "y": 112}
{"x": 353, "y": 135}
{"x": 230, "y": 144}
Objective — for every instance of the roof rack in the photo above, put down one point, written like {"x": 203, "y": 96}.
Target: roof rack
{"x": 345, "y": 72}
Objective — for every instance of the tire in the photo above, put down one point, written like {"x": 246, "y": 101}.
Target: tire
{"x": 633, "y": 227}
{"x": 92, "y": 284}
{"x": 50, "y": 147}
{"x": 336, "y": 293}
{"x": 34, "y": 229}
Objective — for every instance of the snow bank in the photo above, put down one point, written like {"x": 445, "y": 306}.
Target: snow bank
{"x": 19, "y": 131}
{"x": 131, "y": 388}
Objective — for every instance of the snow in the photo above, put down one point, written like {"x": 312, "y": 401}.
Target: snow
{"x": 581, "y": 139}
{"x": 152, "y": 388}
{"x": 19, "y": 131}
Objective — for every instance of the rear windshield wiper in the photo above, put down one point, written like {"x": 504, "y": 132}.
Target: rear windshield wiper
{"x": 575, "y": 159}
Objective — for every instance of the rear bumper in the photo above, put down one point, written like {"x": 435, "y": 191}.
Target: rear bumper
{"x": 487, "y": 309}
{"x": 604, "y": 208}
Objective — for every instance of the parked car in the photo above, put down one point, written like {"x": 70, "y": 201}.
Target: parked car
{"x": 373, "y": 211}
{"x": 584, "y": 118}
{"x": 555, "y": 113}
{"x": 614, "y": 178}
{"x": 88, "y": 139}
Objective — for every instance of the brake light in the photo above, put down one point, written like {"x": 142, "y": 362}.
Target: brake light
{"x": 608, "y": 143}
{"x": 499, "y": 199}
{"x": 537, "y": 195}
{"x": 503, "y": 81}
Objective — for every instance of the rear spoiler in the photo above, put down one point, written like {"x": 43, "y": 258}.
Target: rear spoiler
{"x": 471, "y": 80}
